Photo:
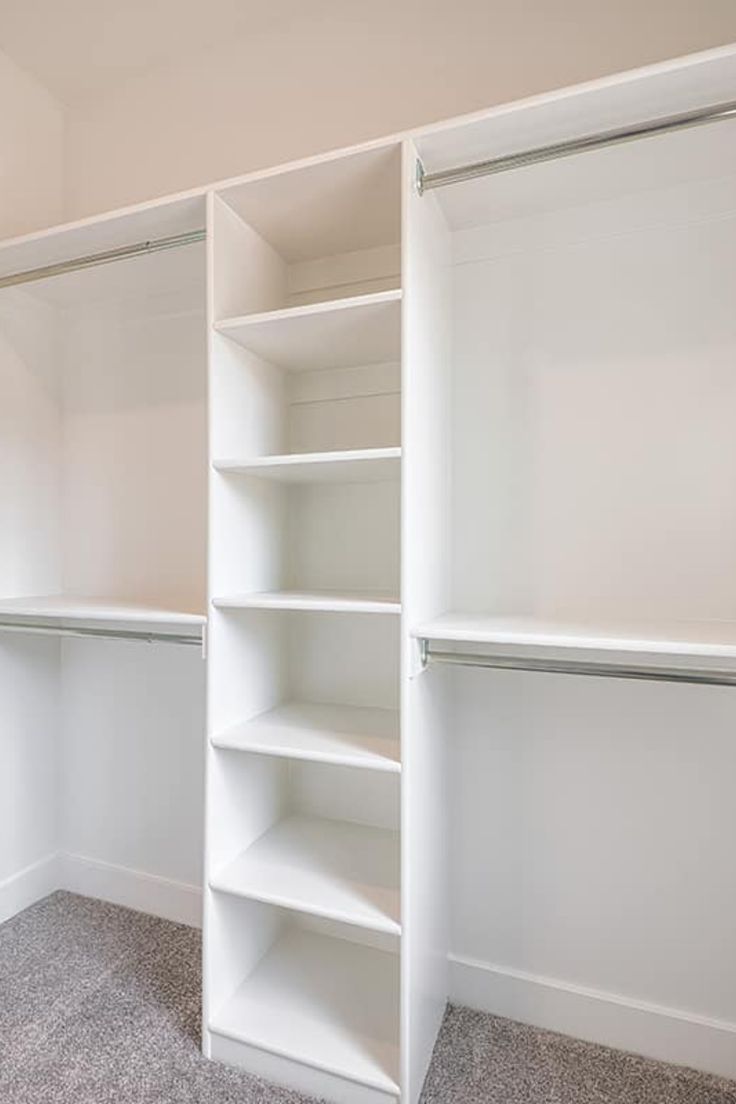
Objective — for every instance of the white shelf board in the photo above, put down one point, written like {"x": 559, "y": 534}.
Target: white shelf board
{"x": 341, "y": 333}
{"x": 348, "y": 466}
{"x": 328, "y": 1003}
{"x": 158, "y": 218}
{"x": 686, "y": 640}
{"x": 325, "y": 601}
{"x": 334, "y": 869}
{"x": 68, "y": 611}
{"x": 351, "y": 736}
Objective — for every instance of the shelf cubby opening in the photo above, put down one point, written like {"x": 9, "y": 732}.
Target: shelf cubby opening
{"x": 322, "y": 666}
{"x": 304, "y": 991}
{"x": 340, "y": 399}
{"x": 324, "y": 544}
{"x": 311, "y": 837}
{"x": 321, "y": 232}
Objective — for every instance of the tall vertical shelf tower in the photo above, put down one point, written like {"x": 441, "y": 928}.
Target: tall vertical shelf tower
{"x": 320, "y": 969}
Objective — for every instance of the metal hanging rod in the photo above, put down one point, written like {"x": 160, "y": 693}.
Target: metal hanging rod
{"x": 123, "y": 253}
{"x": 144, "y": 636}
{"x": 715, "y": 113}
{"x": 640, "y": 672}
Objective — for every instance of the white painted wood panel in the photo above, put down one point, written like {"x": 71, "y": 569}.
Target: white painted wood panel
{"x": 425, "y": 545}
{"x": 351, "y": 736}
{"x": 347, "y": 466}
{"x": 329, "y": 868}
{"x": 300, "y": 1002}
{"x": 343, "y": 333}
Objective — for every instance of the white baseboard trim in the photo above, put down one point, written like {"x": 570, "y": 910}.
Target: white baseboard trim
{"x": 133, "y": 889}
{"x": 28, "y": 886}
{"x": 649, "y": 1029}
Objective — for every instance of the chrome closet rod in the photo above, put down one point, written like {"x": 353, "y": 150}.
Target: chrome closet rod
{"x": 641, "y": 672}
{"x": 713, "y": 114}
{"x": 123, "y": 253}
{"x": 41, "y": 628}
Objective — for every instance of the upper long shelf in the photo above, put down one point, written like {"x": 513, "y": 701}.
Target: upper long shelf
{"x": 61, "y": 613}
{"x": 688, "y": 651}
{"x": 341, "y": 333}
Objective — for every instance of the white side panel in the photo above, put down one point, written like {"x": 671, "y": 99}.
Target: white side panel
{"x": 593, "y": 859}
{"x": 30, "y": 436}
{"x": 133, "y": 752}
{"x": 135, "y": 451}
{"x": 425, "y": 536}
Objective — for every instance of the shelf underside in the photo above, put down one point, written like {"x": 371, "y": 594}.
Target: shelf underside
{"x": 334, "y": 869}
{"x": 67, "y": 612}
{"x": 319, "y": 601}
{"x": 325, "y": 1002}
{"x": 683, "y": 641}
{"x": 342, "y": 333}
{"x": 343, "y": 735}
{"x": 349, "y": 466}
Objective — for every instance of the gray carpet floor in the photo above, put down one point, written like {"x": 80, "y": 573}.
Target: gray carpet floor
{"x": 100, "y": 1004}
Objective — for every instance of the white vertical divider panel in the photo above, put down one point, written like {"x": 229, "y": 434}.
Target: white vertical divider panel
{"x": 209, "y": 926}
{"x": 425, "y": 583}
{"x": 245, "y": 664}
{"x": 30, "y": 562}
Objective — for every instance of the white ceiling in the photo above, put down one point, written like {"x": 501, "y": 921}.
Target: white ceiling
{"x": 83, "y": 48}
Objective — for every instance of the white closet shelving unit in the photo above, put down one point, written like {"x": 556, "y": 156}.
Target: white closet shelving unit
{"x": 486, "y": 420}
{"x": 303, "y": 917}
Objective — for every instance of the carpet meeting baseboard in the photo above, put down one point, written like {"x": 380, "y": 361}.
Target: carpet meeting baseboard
{"x": 667, "y": 1034}
{"x": 637, "y": 1026}
{"x": 119, "y": 885}
{"x": 28, "y": 885}
{"x": 134, "y": 889}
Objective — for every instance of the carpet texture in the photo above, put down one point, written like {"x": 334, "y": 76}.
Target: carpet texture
{"x": 100, "y": 1004}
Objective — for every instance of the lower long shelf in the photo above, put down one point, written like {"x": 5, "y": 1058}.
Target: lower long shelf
{"x": 323, "y": 1002}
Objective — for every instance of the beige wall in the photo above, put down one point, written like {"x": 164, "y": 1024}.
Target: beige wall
{"x": 31, "y": 153}
{"x": 345, "y": 71}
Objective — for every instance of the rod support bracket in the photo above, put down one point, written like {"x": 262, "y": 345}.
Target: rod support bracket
{"x": 423, "y": 653}
{"x": 419, "y": 175}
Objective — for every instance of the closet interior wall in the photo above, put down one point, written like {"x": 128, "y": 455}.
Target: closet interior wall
{"x": 103, "y": 382}
{"x": 593, "y": 344}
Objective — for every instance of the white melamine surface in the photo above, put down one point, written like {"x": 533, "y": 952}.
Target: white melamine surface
{"x": 160, "y": 219}
{"x": 330, "y": 868}
{"x": 346, "y": 466}
{"x": 343, "y": 333}
{"x": 686, "y": 639}
{"x": 321, "y": 1001}
{"x": 693, "y": 82}
{"x": 337, "y": 205}
{"x": 427, "y": 370}
{"x": 352, "y": 736}
{"x": 73, "y": 611}
{"x": 593, "y": 446}
{"x": 327, "y": 601}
